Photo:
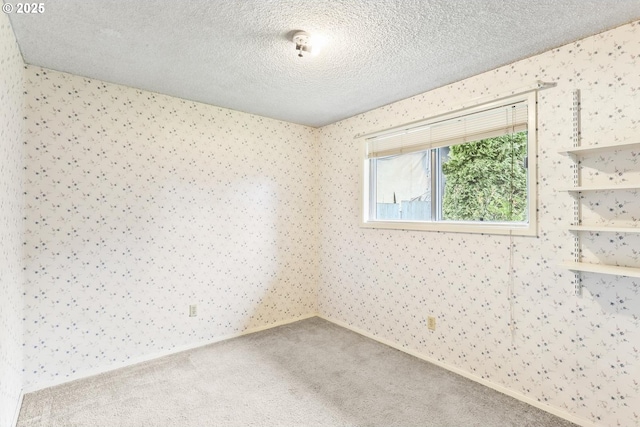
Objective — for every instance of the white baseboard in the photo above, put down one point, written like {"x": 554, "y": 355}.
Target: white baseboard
{"x": 516, "y": 395}
{"x": 17, "y": 409}
{"x": 148, "y": 357}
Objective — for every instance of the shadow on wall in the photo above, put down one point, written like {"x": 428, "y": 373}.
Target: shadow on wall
{"x": 247, "y": 268}
{"x": 614, "y": 295}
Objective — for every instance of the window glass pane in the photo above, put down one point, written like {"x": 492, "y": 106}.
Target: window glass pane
{"x": 485, "y": 180}
{"x": 403, "y": 187}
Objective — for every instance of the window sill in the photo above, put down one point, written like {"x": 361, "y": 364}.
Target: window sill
{"x": 455, "y": 227}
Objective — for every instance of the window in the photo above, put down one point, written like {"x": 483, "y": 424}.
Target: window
{"x": 468, "y": 172}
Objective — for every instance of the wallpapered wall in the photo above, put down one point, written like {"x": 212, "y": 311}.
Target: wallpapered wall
{"x": 577, "y": 354}
{"x": 11, "y": 212}
{"x": 140, "y": 204}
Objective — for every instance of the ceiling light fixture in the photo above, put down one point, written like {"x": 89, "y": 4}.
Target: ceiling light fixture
{"x": 302, "y": 41}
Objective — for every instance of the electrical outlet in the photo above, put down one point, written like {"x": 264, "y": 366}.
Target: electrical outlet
{"x": 193, "y": 310}
{"x": 431, "y": 323}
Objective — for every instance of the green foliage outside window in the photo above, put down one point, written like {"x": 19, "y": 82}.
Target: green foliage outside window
{"x": 486, "y": 180}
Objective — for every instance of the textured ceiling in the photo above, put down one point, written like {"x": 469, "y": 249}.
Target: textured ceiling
{"x": 238, "y": 54}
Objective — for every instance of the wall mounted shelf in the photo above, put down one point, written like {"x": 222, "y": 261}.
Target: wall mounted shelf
{"x": 594, "y": 149}
{"x": 617, "y": 187}
{"x": 575, "y": 153}
{"x": 602, "y": 269}
{"x": 604, "y": 228}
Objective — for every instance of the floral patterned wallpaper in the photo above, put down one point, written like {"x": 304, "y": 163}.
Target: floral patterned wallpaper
{"x": 139, "y": 205}
{"x": 11, "y": 213}
{"x": 506, "y": 312}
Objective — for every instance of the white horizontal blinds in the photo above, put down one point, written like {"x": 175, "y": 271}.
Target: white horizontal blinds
{"x": 489, "y": 123}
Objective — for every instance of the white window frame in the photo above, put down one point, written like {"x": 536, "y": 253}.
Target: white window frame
{"x": 504, "y": 228}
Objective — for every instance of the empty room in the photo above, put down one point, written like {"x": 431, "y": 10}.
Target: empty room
{"x": 320, "y": 213}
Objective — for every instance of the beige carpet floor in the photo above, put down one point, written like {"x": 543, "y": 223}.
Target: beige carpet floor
{"x": 308, "y": 373}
